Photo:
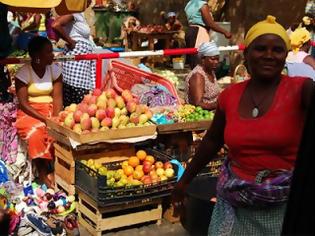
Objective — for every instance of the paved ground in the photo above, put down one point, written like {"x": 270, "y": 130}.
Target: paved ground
{"x": 165, "y": 229}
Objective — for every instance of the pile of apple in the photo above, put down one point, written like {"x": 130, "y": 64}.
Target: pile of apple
{"x": 102, "y": 110}
{"x": 137, "y": 170}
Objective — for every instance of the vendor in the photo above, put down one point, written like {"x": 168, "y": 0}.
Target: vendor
{"x": 202, "y": 88}
{"x": 130, "y": 24}
{"x": 173, "y": 24}
{"x": 39, "y": 92}
{"x": 299, "y": 62}
{"x": 200, "y": 22}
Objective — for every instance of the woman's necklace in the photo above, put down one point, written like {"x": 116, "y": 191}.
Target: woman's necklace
{"x": 255, "y": 110}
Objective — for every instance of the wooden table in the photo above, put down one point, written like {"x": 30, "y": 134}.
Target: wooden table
{"x": 136, "y": 38}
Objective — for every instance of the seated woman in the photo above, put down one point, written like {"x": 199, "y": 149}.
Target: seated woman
{"x": 202, "y": 88}
{"x": 299, "y": 62}
{"x": 39, "y": 92}
{"x": 173, "y": 24}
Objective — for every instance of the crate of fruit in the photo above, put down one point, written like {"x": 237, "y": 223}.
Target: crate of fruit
{"x": 141, "y": 176}
{"x": 104, "y": 115}
{"x": 185, "y": 118}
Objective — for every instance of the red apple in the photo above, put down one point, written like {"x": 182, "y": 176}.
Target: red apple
{"x": 83, "y": 107}
{"x": 146, "y": 180}
{"x": 111, "y": 103}
{"x": 159, "y": 164}
{"x": 127, "y": 96}
{"x": 86, "y": 124}
{"x": 110, "y": 93}
{"x": 100, "y": 114}
{"x": 110, "y": 112}
{"x": 168, "y": 165}
{"x": 87, "y": 98}
{"x": 92, "y": 110}
{"x": 92, "y": 100}
{"x": 97, "y": 92}
{"x": 146, "y": 167}
{"x": 131, "y": 106}
{"x": 106, "y": 122}
{"x": 77, "y": 116}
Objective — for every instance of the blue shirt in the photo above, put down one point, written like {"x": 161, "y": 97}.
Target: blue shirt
{"x": 193, "y": 13}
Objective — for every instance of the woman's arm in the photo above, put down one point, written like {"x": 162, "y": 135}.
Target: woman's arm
{"x": 57, "y": 96}
{"x": 207, "y": 18}
{"x": 196, "y": 92}
{"x": 58, "y": 26}
{"x": 22, "y": 95}
{"x": 34, "y": 24}
{"x": 310, "y": 61}
{"x": 210, "y": 145}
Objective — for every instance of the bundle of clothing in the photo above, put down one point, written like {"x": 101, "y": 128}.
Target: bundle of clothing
{"x": 153, "y": 95}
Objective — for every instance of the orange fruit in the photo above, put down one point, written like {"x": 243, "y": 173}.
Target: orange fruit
{"x": 124, "y": 164}
{"x": 139, "y": 168}
{"x": 133, "y": 161}
{"x": 138, "y": 174}
{"x": 128, "y": 170}
{"x": 150, "y": 159}
{"x": 141, "y": 155}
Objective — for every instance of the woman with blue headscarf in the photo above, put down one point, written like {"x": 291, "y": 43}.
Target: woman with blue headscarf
{"x": 202, "y": 88}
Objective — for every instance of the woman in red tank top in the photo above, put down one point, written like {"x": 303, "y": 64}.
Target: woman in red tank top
{"x": 261, "y": 121}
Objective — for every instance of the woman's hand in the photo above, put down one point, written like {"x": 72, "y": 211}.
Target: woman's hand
{"x": 178, "y": 197}
{"x": 227, "y": 35}
{"x": 71, "y": 44}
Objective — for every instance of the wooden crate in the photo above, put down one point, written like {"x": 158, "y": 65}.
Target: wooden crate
{"x": 101, "y": 136}
{"x": 99, "y": 220}
{"x": 183, "y": 127}
{"x": 61, "y": 185}
{"x": 65, "y": 158}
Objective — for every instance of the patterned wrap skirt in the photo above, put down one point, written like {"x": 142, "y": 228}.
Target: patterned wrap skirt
{"x": 34, "y": 132}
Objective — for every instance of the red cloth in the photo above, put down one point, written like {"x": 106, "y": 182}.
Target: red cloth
{"x": 267, "y": 142}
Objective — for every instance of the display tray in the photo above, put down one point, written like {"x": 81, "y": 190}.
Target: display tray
{"x": 101, "y": 136}
{"x": 185, "y": 126}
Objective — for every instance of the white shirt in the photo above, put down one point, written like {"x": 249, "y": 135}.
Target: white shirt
{"x": 78, "y": 29}
{"x": 27, "y": 75}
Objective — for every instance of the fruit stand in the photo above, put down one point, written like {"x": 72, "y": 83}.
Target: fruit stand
{"x": 103, "y": 149}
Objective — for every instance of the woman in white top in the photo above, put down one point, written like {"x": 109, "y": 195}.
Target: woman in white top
{"x": 299, "y": 62}
{"x": 39, "y": 92}
{"x": 79, "y": 76}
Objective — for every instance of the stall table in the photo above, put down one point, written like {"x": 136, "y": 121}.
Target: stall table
{"x": 136, "y": 37}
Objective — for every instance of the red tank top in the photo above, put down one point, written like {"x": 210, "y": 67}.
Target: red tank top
{"x": 267, "y": 142}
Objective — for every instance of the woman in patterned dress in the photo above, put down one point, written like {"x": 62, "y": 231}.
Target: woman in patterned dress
{"x": 202, "y": 88}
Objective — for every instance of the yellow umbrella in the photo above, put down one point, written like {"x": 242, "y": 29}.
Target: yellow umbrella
{"x": 62, "y": 6}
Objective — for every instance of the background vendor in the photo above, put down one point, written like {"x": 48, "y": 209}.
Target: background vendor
{"x": 202, "y": 88}
{"x": 173, "y": 24}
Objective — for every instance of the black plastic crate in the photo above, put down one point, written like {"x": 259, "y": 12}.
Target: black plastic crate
{"x": 94, "y": 185}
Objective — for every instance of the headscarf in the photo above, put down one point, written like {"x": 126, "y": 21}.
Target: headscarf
{"x": 171, "y": 14}
{"x": 208, "y": 49}
{"x": 267, "y": 26}
{"x": 299, "y": 37}
{"x": 306, "y": 20}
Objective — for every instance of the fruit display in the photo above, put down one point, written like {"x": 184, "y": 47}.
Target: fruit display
{"x": 103, "y": 110}
{"x": 189, "y": 112}
{"x": 141, "y": 169}
{"x": 147, "y": 29}
{"x": 169, "y": 75}
{"x": 183, "y": 113}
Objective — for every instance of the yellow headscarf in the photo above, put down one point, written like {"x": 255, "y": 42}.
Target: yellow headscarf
{"x": 298, "y": 38}
{"x": 268, "y": 26}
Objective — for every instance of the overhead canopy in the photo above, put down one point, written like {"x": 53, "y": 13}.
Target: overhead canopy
{"x": 62, "y": 6}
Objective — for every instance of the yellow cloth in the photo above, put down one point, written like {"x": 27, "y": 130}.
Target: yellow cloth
{"x": 298, "y": 38}
{"x": 32, "y": 3}
{"x": 42, "y": 25}
{"x": 268, "y": 26}
{"x": 39, "y": 95}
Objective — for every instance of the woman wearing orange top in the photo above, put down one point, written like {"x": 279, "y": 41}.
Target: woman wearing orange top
{"x": 39, "y": 91}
